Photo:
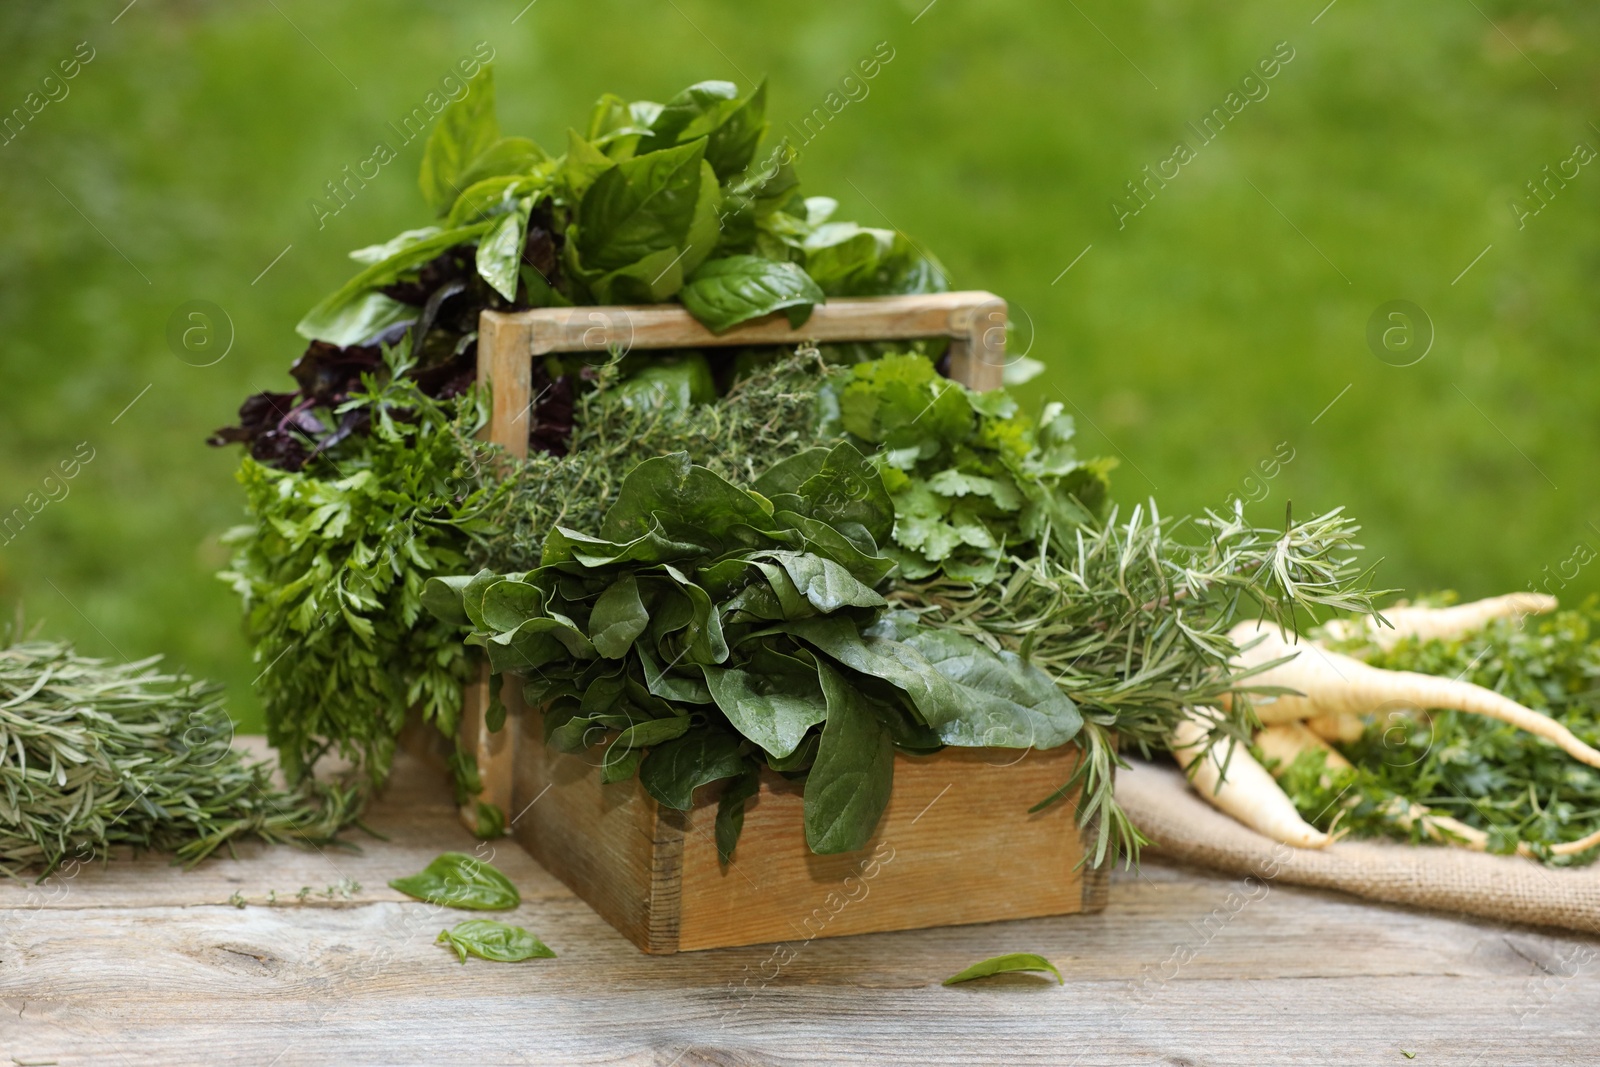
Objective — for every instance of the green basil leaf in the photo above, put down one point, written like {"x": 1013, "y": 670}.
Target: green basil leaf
{"x": 499, "y": 257}
{"x": 695, "y": 112}
{"x": 618, "y": 618}
{"x": 582, "y": 164}
{"x": 732, "y": 144}
{"x": 1011, "y": 961}
{"x": 494, "y": 717}
{"x": 773, "y": 710}
{"x": 650, "y": 280}
{"x": 674, "y": 770}
{"x": 457, "y": 880}
{"x": 730, "y": 811}
{"x": 489, "y": 939}
{"x": 640, "y": 206}
{"x": 380, "y": 252}
{"x": 725, "y": 292}
{"x": 492, "y": 197}
{"x": 845, "y": 258}
{"x": 491, "y": 822}
{"x": 466, "y": 130}
{"x": 354, "y": 312}
{"x": 507, "y": 157}
{"x": 849, "y": 783}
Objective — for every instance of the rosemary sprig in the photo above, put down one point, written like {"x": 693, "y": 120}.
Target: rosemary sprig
{"x": 1132, "y": 620}
{"x": 94, "y": 755}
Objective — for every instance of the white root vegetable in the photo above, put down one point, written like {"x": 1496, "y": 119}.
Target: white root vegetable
{"x": 1344, "y": 728}
{"x": 1328, "y": 683}
{"x": 1426, "y": 623}
{"x": 1248, "y": 792}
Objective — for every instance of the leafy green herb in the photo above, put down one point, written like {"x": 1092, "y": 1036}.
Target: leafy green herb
{"x": 725, "y": 292}
{"x": 332, "y": 575}
{"x": 489, "y": 939}
{"x": 721, "y": 627}
{"x": 974, "y": 481}
{"x": 1006, "y": 964}
{"x": 95, "y": 755}
{"x": 1493, "y": 777}
{"x": 1131, "y": 618}
{"x": 457, "y": 880}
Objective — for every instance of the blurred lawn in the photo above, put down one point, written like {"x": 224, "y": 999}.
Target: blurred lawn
{"x": 1220, "y": 322}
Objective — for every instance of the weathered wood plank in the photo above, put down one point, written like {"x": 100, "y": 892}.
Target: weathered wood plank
{"x": 1184, "y": 966}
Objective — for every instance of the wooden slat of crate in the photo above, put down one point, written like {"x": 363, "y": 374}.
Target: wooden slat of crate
{"x": 955, "y": 846}
{"x": 975, "y": 322}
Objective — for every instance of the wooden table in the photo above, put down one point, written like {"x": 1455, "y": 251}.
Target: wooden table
{"x": 138, "y": 963}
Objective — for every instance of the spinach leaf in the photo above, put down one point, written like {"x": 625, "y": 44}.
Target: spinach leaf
{"x": 465, "y": 131}
{"x": 730, "y": 811}
{"x": 774, "y": 710}
{"x": 674, "y": 770}
{"x": 849, "y": 783}
{"x": 1011, "y": 961}
{"x": 457, "y": 880}
{"x": 725, "y": 292}
{"x": 640, "y": 206}
{"x": 619, "y": 617}
{"x": 489, "y": 939}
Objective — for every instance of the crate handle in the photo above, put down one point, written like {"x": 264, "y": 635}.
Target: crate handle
{"x": 507, "y": 342}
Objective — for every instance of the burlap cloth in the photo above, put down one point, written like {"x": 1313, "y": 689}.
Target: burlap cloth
{"x": 1507, "y": 888}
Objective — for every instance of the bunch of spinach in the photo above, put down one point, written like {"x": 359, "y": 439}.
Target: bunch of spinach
{"x": 1488, "y": 774}
{"x": 709, "y": 630}
{"x": 974, "y": 480}
{"x": 332, "y": 571}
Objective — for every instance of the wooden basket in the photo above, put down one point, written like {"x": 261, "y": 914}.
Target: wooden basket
{"x": 956, "y": 843}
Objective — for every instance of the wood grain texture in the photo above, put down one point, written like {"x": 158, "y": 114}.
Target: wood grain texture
{"x": 955, "y": 845}
{"x": 963, "y": 315}
{"x": 504, "y": 361}
{"x": 138, "y": 964}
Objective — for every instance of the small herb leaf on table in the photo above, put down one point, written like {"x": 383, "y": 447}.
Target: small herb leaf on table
{"x": 457, "y": 880}
{"x": 490, "y": 939}
{"x": 1010, "y": 962}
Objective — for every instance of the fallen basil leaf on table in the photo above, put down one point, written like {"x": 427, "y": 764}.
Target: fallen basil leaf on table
{"x": 1011, "y": 961}
{"x": 489, "y": 939}
{"x": 457, "y": 880}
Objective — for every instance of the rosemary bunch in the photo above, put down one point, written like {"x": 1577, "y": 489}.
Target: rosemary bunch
{"x": 1131, "y": 618}
{"x": 94, "y": 755}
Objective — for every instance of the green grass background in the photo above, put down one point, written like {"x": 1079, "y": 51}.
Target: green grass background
{"x": 1219, "y": 323}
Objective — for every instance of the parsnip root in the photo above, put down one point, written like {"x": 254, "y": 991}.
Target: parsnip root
{"x": 1332, "y": 684}
{"x": 1248, "y": 793}
{"x": 1426, "y": 623}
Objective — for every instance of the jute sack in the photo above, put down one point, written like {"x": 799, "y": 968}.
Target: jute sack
{"x": 1508, "y": 888}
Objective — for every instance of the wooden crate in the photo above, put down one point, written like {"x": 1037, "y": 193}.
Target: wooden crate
{"x": 956, "y": 844}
